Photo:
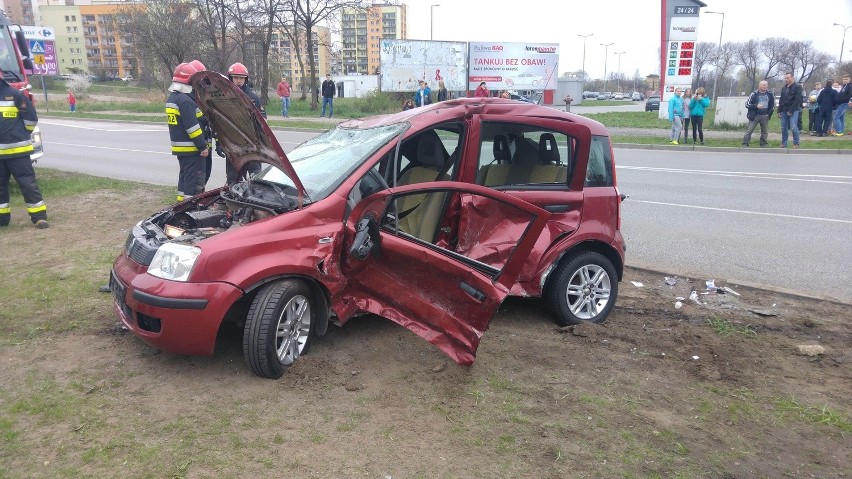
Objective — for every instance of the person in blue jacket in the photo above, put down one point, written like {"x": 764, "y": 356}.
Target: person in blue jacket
{"x": 696, "y": 110}
{"x": 676, "y": 115}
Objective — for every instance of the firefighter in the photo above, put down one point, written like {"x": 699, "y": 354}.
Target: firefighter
{"x": 16, "y": 126}
{"x": 202, "y": 120}
{"x": 189, "y": 143}
{"x": 238, "y": 73}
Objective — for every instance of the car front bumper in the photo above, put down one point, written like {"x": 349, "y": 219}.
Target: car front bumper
{"x": 173, "y": 316}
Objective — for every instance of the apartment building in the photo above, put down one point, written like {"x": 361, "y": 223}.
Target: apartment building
{"x": 70, "y": 43}
{"x": 283, "y": 58}
{"x": 362, "y": 32}
{"x": 108, "y": 51}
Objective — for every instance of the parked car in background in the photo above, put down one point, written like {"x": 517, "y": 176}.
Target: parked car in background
{"x": 618, "y": 96}
{"x": 653, "y": 103}
{"x": 601, "y": 96}
{"x": 636, "y": 96}
{"x": 428, "y": 217}
{"x": 590, "y": 94}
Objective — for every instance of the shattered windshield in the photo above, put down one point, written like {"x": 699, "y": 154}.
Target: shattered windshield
{"x": 322, "y": 163}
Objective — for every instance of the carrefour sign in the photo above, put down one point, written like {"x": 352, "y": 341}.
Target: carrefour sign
{"x": 42, "y": 45}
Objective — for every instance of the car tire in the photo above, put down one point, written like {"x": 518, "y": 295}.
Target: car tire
{"x": 583, "y": 287}
{"x": 279, "y": 327}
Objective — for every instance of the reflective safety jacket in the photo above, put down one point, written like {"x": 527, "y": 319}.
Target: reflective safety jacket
{"x": 17, "y": 123}
{"x": 185, "y": 131}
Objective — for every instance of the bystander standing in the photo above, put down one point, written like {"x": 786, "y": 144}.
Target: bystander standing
{"x": 676, "y": 116}
{"x": 789, "y": 109}
{"x": 760, "y": 105}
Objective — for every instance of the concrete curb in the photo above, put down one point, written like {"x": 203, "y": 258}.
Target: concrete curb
{"x": 744, "y": 285}
{"x": 732, "y": 149}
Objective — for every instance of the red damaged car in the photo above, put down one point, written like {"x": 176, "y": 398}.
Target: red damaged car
{"x": 428, "y": 217}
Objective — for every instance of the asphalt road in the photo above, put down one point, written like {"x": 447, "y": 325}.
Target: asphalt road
{"x": 777, "y": 220}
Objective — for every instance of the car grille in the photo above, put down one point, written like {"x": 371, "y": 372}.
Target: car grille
{"x": 139, "y": 248}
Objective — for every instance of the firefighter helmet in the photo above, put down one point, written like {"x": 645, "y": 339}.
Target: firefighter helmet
{"x": 183, "y": 72}
{"x": 198, "y": 65}
{"x": 238, "y": 69}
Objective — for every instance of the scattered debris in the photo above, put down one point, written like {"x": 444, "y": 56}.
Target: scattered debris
{"x": 695, "y": 358}
{"x": 678, "y": 305}
{"x": 810, "y": 350}
{"x": 671, "y": 281}
{"x": 694, "y": 297}
{"x": 729, "y": 290}
{"x": 637, "y": 284}
{"x": 439, "y": 368}
{"x": 711, "y": 285}
{"x": 680, "y": 298}
{"x": 764, "y": 312}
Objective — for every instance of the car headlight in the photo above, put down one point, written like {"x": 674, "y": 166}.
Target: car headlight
{"x": 174, "y": 261}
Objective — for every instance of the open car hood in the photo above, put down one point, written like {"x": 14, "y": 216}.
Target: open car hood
{"x": 239, "y": 126}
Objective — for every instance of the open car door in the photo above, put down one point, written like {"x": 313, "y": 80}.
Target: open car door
{"x": 437, "y": 258}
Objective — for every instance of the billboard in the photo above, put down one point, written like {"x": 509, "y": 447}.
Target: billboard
{"x": 516, "y": 66}
{"x": 42, "y": 44}
{"x": 405, "y": 62}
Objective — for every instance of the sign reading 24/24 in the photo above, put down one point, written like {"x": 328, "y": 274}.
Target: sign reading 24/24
{"x": 679, "y": 10}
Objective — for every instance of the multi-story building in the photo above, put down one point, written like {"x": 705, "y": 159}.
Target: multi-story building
{"x": 108, "y": 51}
{"x": 286, "y": 61}
{"x": 87, "y": 37}
{"x": 70, "y": 43}
{"x": 21, "y": 12}
{"x": 362, "y": 33}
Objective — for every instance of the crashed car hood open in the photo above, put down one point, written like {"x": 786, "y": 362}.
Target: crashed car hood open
{"x": 239, "y": 125}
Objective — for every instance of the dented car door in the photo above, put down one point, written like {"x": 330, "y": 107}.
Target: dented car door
{"x": 445, "y": 290}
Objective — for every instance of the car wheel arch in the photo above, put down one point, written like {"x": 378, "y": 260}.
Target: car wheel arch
{"x": 322, "y": 297}
{"x": 592, "y": 245}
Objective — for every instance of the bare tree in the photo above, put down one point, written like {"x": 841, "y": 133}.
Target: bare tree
{"x": 308, "y": 14}
{"x": 775, "y": 50}
{"x": 804, "y": 60}
{"x": 164, "y": 30}
{"x": 217, "y": 20}
{"x": 748, "y": 56}
{"x": 705, "y": 53}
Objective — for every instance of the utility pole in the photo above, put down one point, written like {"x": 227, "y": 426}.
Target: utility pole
{"x": 606, "y": 53}
{"x": 584, "y": 54}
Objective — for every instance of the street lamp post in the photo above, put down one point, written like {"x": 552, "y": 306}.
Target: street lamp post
{"x": 584, "y": 53}
{"x": 431, "y": 23}
{"x": 606, "y": 53}
{"x": 718, "y": 51}
{"x": 618, "y": 78}
{"x": 842, "y": 42}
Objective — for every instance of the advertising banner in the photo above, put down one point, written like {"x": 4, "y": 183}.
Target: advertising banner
{"x": 405, "y": 62}
{"x": 513, "y": 66}
{"x": 42, "y": 44}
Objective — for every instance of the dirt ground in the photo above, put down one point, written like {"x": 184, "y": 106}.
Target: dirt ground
{"x": 717, "y": 390}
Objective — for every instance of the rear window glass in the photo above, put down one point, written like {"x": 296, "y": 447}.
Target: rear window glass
{"x": 599, "y": 170}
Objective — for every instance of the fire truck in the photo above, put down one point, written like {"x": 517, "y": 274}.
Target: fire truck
{"x": 15, "y": 61}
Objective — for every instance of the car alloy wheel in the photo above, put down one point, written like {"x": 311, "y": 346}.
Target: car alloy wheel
{"x": 583, "y": 288}
{"x": 279, "y": 326}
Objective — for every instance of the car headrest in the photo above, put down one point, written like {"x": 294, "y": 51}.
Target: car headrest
{"x": 501, "y": 149}
{"x": 547, "y": 149}
{"x": 430, "y": 151}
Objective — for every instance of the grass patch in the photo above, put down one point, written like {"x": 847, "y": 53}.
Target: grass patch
{"x": 726, "y": 328}
{"x": 592, "y": 102}
{"x": 789, "y": 407}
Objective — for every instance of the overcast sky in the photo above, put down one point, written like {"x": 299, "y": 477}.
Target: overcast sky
{"x": 633, "y": 26}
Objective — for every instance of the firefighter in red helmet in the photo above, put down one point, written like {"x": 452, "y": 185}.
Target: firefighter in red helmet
{"x": 238, "y": 73}
{"x": 189, "y": 142}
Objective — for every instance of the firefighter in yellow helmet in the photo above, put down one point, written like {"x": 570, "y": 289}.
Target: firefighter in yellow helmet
{"x": 189, "y": 142}
{"x": 16, "y": 125}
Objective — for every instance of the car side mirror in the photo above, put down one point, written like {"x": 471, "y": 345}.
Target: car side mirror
{"x": 366, "y": 239}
